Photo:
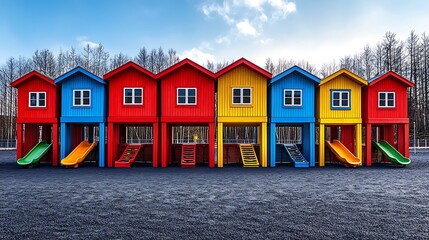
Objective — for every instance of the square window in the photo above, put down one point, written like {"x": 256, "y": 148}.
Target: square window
{"x": 241, "y": 96}
{"x": 82, "y": 98}
{"x": 186, "y": 96}
{"x": 386, "y": 99}
{"x": 340, "y": 99}
{"x": 292, "y": 97}
{"x": 133, "y": 96}
{"x": 37, "y": 99}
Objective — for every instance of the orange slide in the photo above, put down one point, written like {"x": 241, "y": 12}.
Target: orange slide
{"x": 343, "y": 154}
{"x": 77, "y": 156}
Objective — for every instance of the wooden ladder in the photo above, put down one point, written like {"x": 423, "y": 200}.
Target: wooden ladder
{"x": 248, "y": 155}
{"x": 188, "y": 156}
{"x": 128, "y": 156}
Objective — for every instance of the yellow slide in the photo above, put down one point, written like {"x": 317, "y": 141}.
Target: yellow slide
{"x": 343, "y": 154}
{"x": 77, "y": 156}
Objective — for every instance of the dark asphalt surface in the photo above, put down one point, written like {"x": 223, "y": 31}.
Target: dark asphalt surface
{"x": 380, "y": 202}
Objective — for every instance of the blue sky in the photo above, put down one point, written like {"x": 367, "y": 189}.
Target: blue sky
{"x": 314, "y": 30}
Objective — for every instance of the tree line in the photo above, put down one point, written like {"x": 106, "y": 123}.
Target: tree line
{"x": 409, "y": 58}
{"x": 95, "y": 59}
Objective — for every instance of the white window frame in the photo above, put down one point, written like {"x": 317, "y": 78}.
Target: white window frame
{"x": 81, "y": 98}
{"x": 293, "y": 104}
{"x": 386, "y": 99}
{"x": 186, "y": 96}
{"x": 37, "y": 99}
{"x": 133, "y": 96}
{"x": 340, "y": 99}
{"x": 241, "y": 96}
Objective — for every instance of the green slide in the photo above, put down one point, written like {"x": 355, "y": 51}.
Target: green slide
{"x": 391, "y": 153}
{"x": 34, "y": 155}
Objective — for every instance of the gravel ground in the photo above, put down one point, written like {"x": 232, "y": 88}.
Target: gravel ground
{"x": 203, "y": 203}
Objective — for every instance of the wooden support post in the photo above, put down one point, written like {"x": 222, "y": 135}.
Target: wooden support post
{"x": 155, "y": 146}
{"x": 321, "y": 145}
{"x": 212, "y": 144}
{"x": 272, "y": 144}
{"x": 102, "y": 145}
{"x": 359, "y": 142}
{"x": 219, "y": 144}
{"x": 368, "y": 145}
{"x": 164, "y": 147}
{"x": 55, "y": 145}
{"x": 263, "y": 144}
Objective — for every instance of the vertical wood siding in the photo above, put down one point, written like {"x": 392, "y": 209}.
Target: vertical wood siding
{"x": 370, "y": 99}
{"x": 132, "y": 78}
{"x": 98, "y": 97}
{"x": 294, "y": 80}
{"x": 242, "y": 77}
{"x": 35, "y": 84}
{"x": 324, "y": 98}
{"x": 187, "y": 77}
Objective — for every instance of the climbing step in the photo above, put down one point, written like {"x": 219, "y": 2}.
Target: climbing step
{"x": 188, "y": 156}
{"x": 248, "y": 155}
{"x": 128, "y": 156}
{"x": 296, "y": 156}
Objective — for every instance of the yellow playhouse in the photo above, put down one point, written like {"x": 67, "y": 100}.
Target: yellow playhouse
{"x": 242, "y": 114}
{"x": 339, "y": 118}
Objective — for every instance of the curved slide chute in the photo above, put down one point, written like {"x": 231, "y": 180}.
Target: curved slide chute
{"x": 79, "y": 154}
{"x": 34, "y": 155}
{"x": 343, "y": 153}
{"x": 391, "y": 153}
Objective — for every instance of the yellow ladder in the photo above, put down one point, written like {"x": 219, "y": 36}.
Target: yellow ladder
{"x": 248, "y": 155}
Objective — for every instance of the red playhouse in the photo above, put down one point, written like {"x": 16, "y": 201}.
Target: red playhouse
{"x": 37, "y": 120}
{"x": 132, "y": 121}
{"x": 187, "y": 114}
{"x": 385, "y": 117}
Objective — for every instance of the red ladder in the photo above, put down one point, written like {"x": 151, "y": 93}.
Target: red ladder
{"x": 188, "y": 156}
{"x": 128, "y": 156}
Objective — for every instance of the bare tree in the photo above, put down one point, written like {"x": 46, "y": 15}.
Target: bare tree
{"x": 118, "y": 60}
{"x": 44, "y": 62}
{"x": 142, "y": 58}
{"x": 99, "y": 60}
{"x": 367, "y": 61}
{"x": 172, "y": 57}
{"x": 8, "y": 74}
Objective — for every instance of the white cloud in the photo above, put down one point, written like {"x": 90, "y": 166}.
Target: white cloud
{"x": 198, "y": 55}
{"x": 245, "y": 28}
{"x": 248, "y": 18}
{"x": 83, "y": 42}
{"x": 283, "y": 8}
{"x": 256, "y": 4}
{"x": 223, "y": 11}
{"x": 223, "y": 39}
{"x": 263, "y": 17}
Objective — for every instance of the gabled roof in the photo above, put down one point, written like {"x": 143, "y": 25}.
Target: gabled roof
{"x": 353, "y": 76}
{"x": 30, "y": 75}
{"x": 182, "y": 63}
{"x": 295, "y": 69}
{"x": 79, "y": 70}
{"x": 396, "y": 76}
{"x": 128, "y": 65}
{"x": 243, "y": 61}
